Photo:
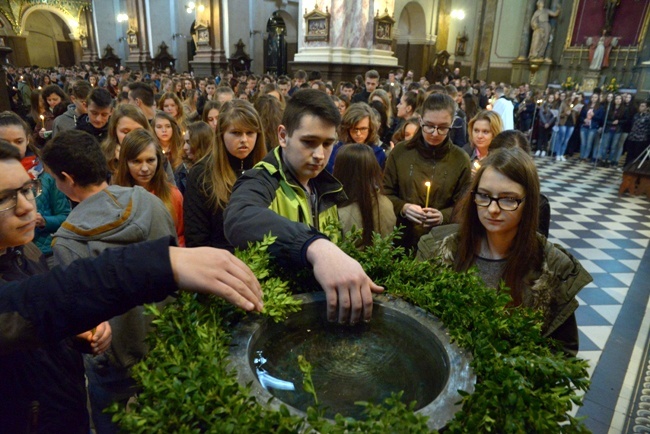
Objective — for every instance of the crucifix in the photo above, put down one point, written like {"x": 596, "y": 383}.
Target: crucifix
{"x": 610, "y": 11}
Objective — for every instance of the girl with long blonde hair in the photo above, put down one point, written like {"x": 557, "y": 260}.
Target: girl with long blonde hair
{"x": 238, "y": 146}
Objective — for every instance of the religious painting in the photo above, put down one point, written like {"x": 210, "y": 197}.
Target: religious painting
{"x": 317, "y": 25}
{"x": 461, "y": 44}
{"x": 627, "y": 20}
{"x": 132, "y": 38}
{"x": 383, "y": 28}
{"x": 202, "y": 34}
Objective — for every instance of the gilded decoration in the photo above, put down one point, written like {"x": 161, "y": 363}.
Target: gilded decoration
{"x": 15, "y": 10}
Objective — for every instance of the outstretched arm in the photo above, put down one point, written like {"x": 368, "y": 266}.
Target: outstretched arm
{"x": 49, "y": 307}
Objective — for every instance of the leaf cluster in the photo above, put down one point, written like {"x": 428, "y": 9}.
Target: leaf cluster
{"x": 523, "y": 383}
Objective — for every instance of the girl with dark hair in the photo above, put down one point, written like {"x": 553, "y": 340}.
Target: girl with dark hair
{"x": 125, "y": 119}
{"x": 189, "y": 105}
{"x": 238, "y": 146}
{"x": 498, "y": 234}
{"x": 366, "y": 207}
{"x": 198, "y": 141}
{"x": 407, "y": 130}
{"x": 516, "y": 139}
{"x": 270, "y": 110}
{"x": 141, "y": 163}
{"x": 591, "y": 119}
{"x": 211, "y": 114}
{"x": 426, "y": 176}
{"x": 171, "y": 104}
{"x": 408, "y": 105}
{"x": 170, "y": 138}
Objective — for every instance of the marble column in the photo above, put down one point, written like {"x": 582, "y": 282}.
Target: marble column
{"x": 210, "y": 53}
{"x": 87, "y": 24}
{"x": 351, "y": 48}
{"x": 525, "y": 30}
{"x": 139, "y": 57}
{"x": 483, "y": 47}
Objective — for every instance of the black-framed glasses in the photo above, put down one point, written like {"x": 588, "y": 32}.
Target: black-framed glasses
{"x": 429, "y": 129}
{"x": 30, "y": 191}
{"x": 359, "y": 130}
{"x": 504, "y": 203}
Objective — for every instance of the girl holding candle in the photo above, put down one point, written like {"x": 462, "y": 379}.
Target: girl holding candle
{"x": 428, "y": 157}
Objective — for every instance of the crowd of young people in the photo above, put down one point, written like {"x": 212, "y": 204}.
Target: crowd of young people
{"x": 221, "y": 161}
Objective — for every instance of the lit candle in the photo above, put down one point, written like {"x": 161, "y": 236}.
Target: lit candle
{"x": 43, "y": 121}
{"x": 426, "y": 202}
{"x": 39, "y": 88}
{"x": 477, "y": 165}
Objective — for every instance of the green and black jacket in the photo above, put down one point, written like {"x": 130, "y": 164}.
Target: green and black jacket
{"x": 268, "y": 199}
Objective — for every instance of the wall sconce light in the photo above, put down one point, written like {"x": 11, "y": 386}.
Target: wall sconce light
{"x": 178, "y": 35}
{"x": 191, "y": 6}
{"x": 458, "y": 14}
{"x": 122, "y": 17}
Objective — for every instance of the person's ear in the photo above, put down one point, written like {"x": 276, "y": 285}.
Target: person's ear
{"x": 67, "y": 178}
{"x": 282, "y": 135}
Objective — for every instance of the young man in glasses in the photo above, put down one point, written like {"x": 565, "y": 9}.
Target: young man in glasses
{"x": 42, "y": 382}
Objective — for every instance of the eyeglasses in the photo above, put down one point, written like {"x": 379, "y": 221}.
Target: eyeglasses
{"x": 30, "y": 191}
{"x": 504, "y": 203}
{"x": 429, "y": 129}
{"x": 359, "y": 130}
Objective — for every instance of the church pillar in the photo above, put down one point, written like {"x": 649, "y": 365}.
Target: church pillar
{"x": 353, "y": 44}
{"x": 139, "y": 57}
{"x": 210, "y": 54}
{"x": 487, "y": 12}
{"x": 88, "y": 36}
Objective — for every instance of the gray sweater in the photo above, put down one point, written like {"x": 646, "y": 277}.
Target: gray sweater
{"x": 116, "y": 216}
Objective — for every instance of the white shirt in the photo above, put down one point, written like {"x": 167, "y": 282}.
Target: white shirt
{"x": 505, "y": 109}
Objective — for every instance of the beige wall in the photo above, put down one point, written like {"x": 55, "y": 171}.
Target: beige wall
{"x": 43, "y": 29}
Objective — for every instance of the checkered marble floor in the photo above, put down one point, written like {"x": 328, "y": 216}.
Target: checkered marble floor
{"x": 609, "y": 235}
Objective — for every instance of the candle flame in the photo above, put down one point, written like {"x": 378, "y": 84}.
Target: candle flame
{"x": 477, "y": 165}
{"x": 428, "y": 184}
{"x": 42, "y": 117}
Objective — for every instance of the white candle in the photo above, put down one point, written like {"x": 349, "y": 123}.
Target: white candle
{"x": 426, "y": 203}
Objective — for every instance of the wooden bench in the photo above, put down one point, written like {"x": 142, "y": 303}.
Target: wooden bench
{"x": 636, "y": 181}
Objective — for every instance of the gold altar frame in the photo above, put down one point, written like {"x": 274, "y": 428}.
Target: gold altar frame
{"x": 317, "y": 25}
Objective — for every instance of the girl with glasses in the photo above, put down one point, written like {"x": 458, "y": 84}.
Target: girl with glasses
{"x": 360, "y": 124}
{"x": 497, "y": 233}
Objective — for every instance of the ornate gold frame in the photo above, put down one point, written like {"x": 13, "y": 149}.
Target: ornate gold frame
{"x": 574, "y": 13}
{"x": 317, "y": 25}
{"x": 383, "y": 28}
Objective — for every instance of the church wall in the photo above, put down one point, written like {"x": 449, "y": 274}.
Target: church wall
{"x": 44, "y": 30}
{"x": 457, "y": 27}
{"x": 416, "y": 25}
{"x": 506, "y": 38}
{"x": 108, "y": 29}
{"x": 171, "y": 18}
